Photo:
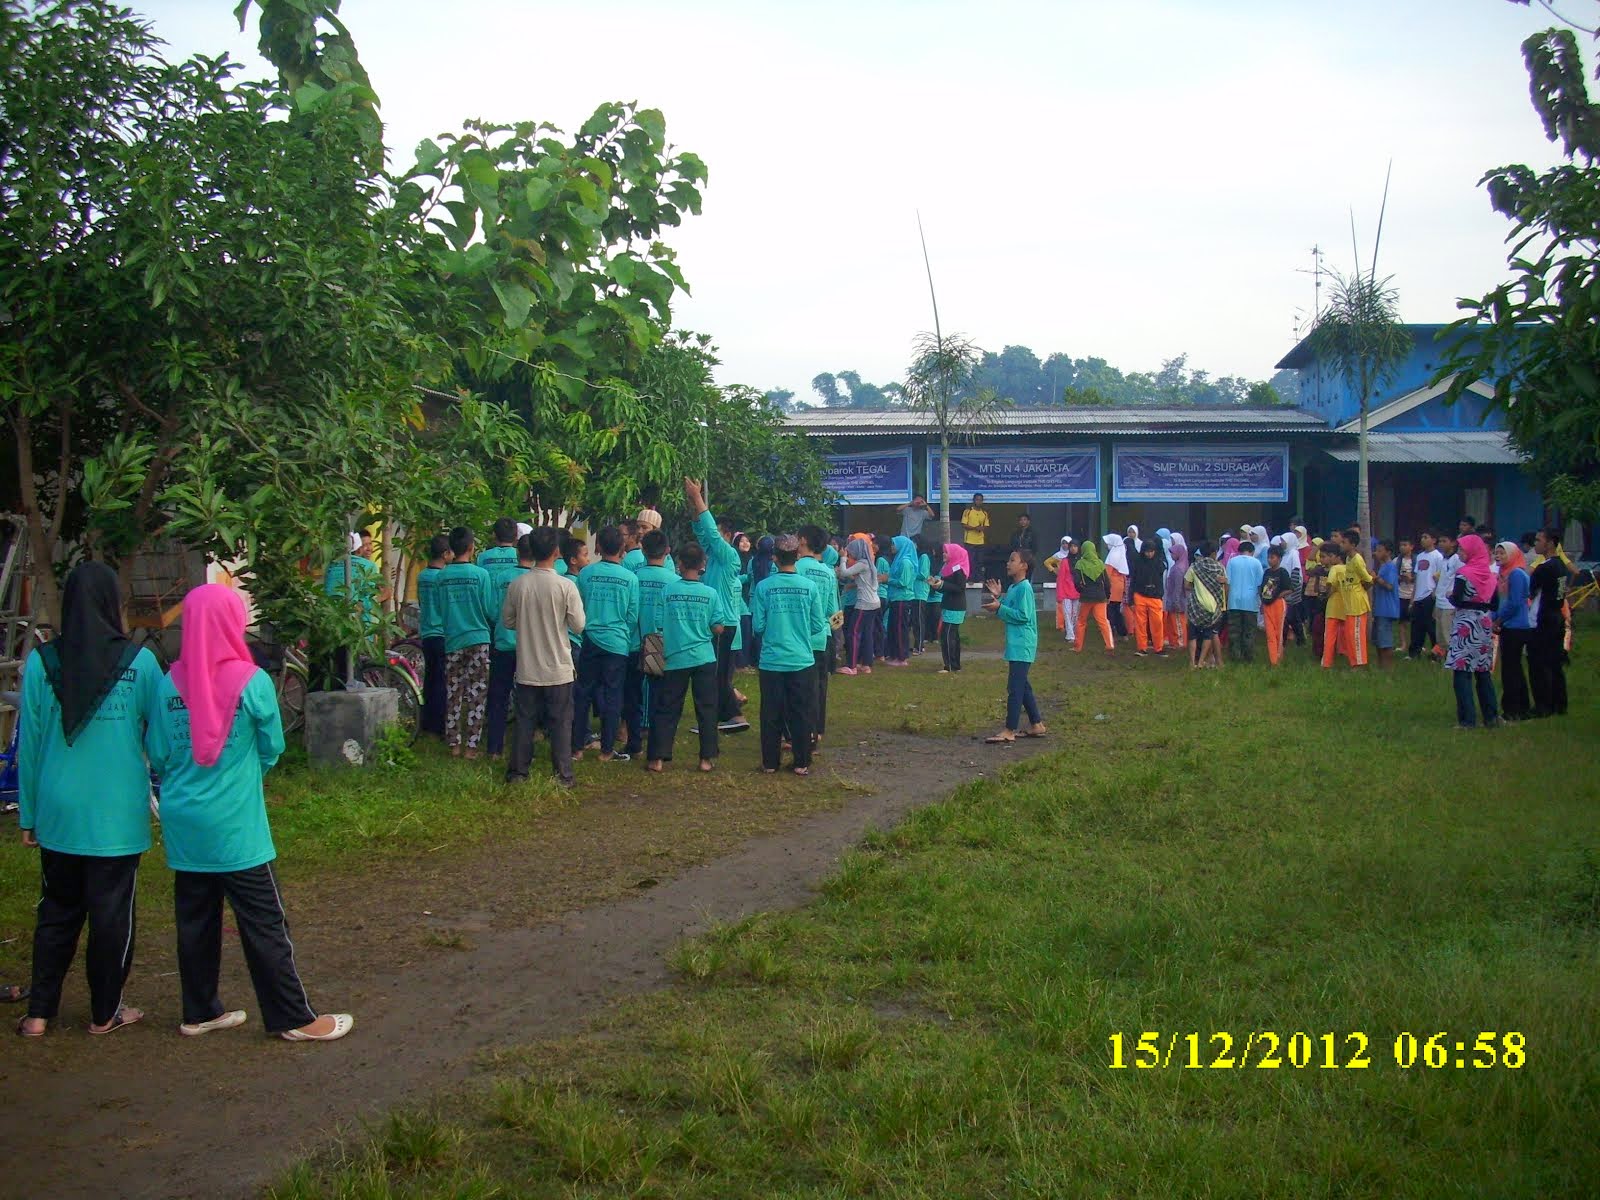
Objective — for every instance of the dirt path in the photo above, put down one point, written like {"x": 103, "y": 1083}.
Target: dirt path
{"x": 149, "y": 1114}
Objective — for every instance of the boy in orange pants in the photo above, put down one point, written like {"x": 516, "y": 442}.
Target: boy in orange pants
{"x": 1275, "y": 588}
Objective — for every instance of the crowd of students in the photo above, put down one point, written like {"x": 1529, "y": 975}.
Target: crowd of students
{"x": 1472, "y": 605}
{"x": 530, "y": 636}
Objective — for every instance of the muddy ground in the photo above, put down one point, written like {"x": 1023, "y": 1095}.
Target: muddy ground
{"x": 439, "y": 961}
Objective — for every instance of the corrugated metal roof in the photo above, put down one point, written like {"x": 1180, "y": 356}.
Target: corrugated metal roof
{"x": 1435, "y": 446}
{"x": 829, "y": 422}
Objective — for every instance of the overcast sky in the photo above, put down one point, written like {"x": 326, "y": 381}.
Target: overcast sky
{"x": 1132, "y": 181}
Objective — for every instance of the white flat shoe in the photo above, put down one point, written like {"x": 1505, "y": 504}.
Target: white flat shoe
{"x": 228, "y": 1020}
{"x": 343, "y": 1023}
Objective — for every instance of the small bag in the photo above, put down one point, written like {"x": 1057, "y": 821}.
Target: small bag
{"x": 836, "y": 622}
{"x": 653, "y": 656}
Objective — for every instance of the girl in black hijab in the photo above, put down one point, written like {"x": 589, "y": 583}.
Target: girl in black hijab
{"x": 85, "y": 796}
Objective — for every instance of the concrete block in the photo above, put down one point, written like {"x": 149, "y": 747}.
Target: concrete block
{"x": 342, "y": 726}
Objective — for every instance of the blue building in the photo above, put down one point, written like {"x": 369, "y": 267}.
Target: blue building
{"x": 1204, "y": 470}
{"x": 1430, "y": 462}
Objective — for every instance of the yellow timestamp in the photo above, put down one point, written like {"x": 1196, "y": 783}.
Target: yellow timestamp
{"x": 1269, "y": 1050}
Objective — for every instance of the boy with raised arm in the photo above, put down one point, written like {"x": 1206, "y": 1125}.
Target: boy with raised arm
{"x": 722, "y": 575}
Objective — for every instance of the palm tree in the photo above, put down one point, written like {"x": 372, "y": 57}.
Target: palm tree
{"x": 1361, "y": 335}
{"x": 939, "y": 382}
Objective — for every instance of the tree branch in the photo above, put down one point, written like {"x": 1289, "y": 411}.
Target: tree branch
{"x": 63, "y": 465}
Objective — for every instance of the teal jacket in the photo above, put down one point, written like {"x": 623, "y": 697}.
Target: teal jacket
{"x": 823, "y": 578}
{"x": 723, "y": 571}
{"x": 214, "y": 819}
{"x": 502, "y": 565}
{"x": 610, "y": 594}
{"x": 690, "y": 610}
{"x": 92, "y": 797}
{"x": 1020, "y": 612}
{"x": 466, "y": 596}
{"x": 786, "y": 612}
{"x": 653, "y": 584}
{"x": 430, "y": 605}
{"x": 364, "y": 586}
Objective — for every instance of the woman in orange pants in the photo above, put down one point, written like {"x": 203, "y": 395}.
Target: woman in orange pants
{"x": 1090, "y": 575}
{"x": 1149, "y": 582}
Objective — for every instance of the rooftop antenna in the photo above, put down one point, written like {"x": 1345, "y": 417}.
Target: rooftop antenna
{"x": 1316, "y": 272}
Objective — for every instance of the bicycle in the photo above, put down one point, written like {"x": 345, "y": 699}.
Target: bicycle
{"x": 292, "y": 681}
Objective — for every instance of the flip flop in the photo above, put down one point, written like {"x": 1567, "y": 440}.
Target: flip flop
{"x": 998, "y": 740}
{"x": 21, "y": 1032}
{"x": 120, "y": 1021}
{"x": 343, "y": 1023}
{"x": 1040, "y": 734}
{"x": 13, "y": 992}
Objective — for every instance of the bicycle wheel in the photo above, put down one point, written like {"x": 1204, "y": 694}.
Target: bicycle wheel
{"x": 410, "y": 649}
{"x": 396, "y": 676}
{"x": 292, "y": 688}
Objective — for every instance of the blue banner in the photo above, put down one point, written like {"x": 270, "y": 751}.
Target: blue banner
{"x": 1049, "y": 474}
{"x": 1201, "y": 474}
{"x": 882, "y": 477}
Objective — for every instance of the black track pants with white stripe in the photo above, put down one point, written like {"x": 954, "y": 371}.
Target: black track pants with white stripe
{"x": 263, "y": 932}
{"x": 75, "y": 888}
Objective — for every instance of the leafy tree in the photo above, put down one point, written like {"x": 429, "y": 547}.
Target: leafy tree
{"x": 317, "y": 64}
{"x": 213, "y": 332}
{"x": 782, "y": 399}
{"x": 1286, "y": 385}
{"x": 733, "y": 438}
{"x": 1263, "y": 394}
{"x": 1360, "y": 335}
{"x": 826, "y": 386}
{"x": 1536, "y": 338}
{"x": 544, "y": 250}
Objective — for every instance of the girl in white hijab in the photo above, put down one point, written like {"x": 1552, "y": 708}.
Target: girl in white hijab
{"x": 1117, "y": 562}
{"x": 1116, "y": 552}
{"x": 1134, "y": 540}
{"x": 1294, "y": 620}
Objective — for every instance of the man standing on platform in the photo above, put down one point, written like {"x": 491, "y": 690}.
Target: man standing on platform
{"x": 975, "y": 535}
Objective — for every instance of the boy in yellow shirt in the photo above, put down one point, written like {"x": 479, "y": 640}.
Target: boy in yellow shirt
{"x": 1348, "y": 607}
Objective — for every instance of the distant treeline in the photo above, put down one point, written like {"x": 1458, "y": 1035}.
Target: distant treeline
{"x": 1017, "y": 374}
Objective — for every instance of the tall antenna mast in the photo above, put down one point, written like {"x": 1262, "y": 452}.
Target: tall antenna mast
{"x": 1316, "y": 274}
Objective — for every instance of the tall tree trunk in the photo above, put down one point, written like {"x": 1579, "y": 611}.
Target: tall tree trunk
{"x": 1363, "y": 488}
{"x": 46, "y": 607}
{"x": 944, "y": 484}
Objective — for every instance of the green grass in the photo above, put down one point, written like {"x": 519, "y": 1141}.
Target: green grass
{"x": 1236, "y": 851}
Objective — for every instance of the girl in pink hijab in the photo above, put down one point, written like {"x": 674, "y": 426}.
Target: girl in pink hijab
{"x": 1471, "y": 654}
{"x": 215, "y": 734}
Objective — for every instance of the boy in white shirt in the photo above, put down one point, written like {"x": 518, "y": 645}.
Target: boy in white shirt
{"x": 1444, "y": 613}
{"x": 1427, "y": 569}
